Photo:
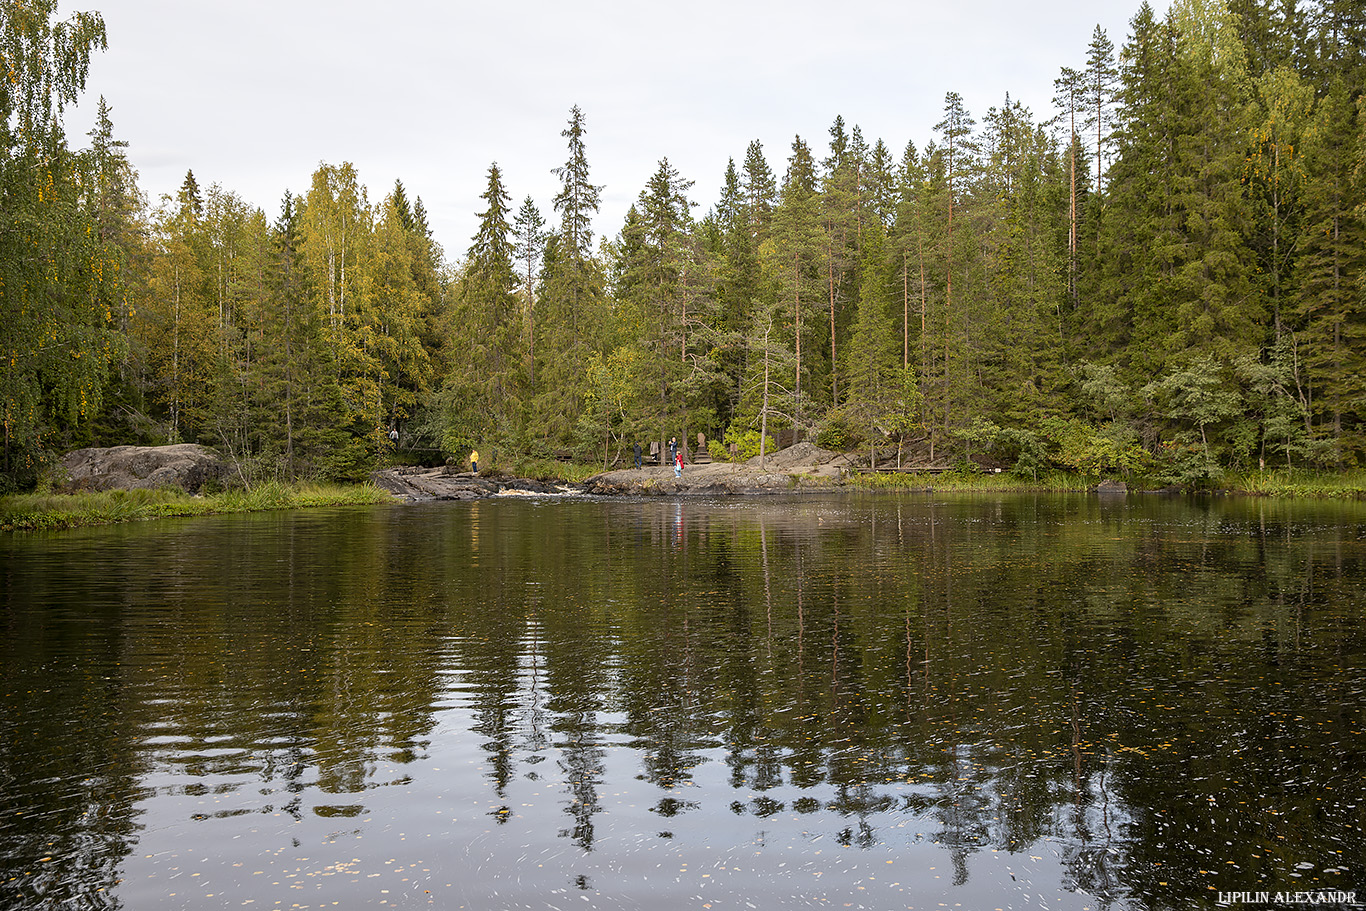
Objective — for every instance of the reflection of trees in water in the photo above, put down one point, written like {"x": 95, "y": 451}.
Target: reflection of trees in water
{"x": 578, "y": 685}
{"x": 581, "y": 762}
{"x": 68, "y": 781}
{"x": 986, "y": 672}
{"x": 535, "y": 715}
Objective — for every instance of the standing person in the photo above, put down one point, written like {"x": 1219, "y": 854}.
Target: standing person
{"x": 678, "y": 463}
{"x": 474, "y": 461}
{"x": 637, "y": 456}
{"x": 673, "y": 448}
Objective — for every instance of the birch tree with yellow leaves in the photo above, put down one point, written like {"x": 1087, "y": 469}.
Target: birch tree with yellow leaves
{"x": 58, "y": 290}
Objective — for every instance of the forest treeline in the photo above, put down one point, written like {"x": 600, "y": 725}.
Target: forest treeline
{"x": 1162, "y": 275}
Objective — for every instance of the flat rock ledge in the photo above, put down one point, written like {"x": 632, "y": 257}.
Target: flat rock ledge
{"x": 185, "y": 465}
{"x": 801, "y": 467}
{"x": 417, "y": 484}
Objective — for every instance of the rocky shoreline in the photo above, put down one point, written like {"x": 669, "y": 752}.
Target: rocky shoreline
{"x": 416, "y": 484}
{"x": 800, "y": 467}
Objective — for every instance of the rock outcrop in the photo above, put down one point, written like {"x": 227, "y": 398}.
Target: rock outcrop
{"x": 802, "y": 466}
{"x": 185, "y": 465}
{"x": 798, "y": 467}
{"x": 418, "y": 484}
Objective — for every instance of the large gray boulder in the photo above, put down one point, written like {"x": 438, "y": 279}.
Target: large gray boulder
{"x": 418, "y": 484}
{"x": 185, "y": 465}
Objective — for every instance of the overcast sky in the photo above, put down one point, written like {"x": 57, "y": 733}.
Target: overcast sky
{"x": 255, "y": 94}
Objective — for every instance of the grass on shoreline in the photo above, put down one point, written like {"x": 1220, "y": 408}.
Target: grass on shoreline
{"x": 1003, "y": 482}
{"x": 1296, "y": 482}
{"x": 1299, "y": 483}
{"x": 34, "y": 512}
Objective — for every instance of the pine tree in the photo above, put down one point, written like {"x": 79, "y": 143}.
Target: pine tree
{"x": 1099, "y": 82}
{"x": 114, "y": 205}
{"x": 879, "y": 184}
{"x": 840, "y": 216}
{"x": 175, "y": 326}
{"x": 760, "y": 190}
{"x": 1273, "y": 33}
{"x": 958, "y": 154}
{"x": 529, "y": 244}
{"x": 958, "y": 150}
{"x": 113, "y": 198}
{"x": 234, "y": 255}
{"x": 1019, "y": 340}
{"x": 1068, "y": 100}
{"x": 1337, "y": 45}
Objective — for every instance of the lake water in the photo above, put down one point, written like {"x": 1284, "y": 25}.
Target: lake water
{"x": 858, "y": 701}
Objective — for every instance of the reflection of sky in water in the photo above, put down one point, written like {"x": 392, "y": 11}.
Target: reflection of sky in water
{"x": 854, "y": 701}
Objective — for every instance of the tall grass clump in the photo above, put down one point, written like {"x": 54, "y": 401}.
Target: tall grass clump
{"x": 1301, "y": 482}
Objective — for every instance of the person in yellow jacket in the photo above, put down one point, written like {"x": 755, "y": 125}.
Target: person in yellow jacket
{"x": 474, "y": 461}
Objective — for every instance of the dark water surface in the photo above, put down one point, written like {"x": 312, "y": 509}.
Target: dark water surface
{"x": 882, "y": 701}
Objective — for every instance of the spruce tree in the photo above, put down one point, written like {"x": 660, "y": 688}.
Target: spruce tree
{"x": 1218, "y": 306}
{"x": 576, "y": 202}
{"x": 574, "y": 312}
{"x": 1329, "y": 315}
{"x": 871, "y": 367}
{"x": 792, "y": 260}
{"x": 490, "y": 322}
{"x": 1275, "y": 179}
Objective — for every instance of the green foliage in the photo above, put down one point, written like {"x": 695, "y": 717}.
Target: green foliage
{"x": 1106, "y": 450}
{"x": 1196, "y": 395}
{"x": 60, "y": 285}
{"x": 747, "y": 443}
{"x": 1066, "y": 444}
{"x": 834, "y": 434}
{"x": 1170, "y": 285}
{"x": 1026, "y": 450}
